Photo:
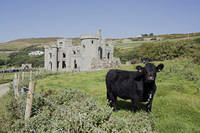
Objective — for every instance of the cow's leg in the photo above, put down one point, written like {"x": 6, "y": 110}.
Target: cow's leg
{"x": 149, "y": 103}
{"x": 135, "y": 102}
{"x": 112, "y": 100}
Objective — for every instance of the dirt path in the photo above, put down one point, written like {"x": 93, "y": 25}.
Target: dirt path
{"x": 4, "y": 88}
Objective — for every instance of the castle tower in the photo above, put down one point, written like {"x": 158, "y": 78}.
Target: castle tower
{"x": 51, "y": 58}
{"x": 64, "y": 54}
{"x": 90, "y": 49}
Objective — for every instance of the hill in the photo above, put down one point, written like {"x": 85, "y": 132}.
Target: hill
{"x": 21, "y": 44}
{"x": 176, "y": 105}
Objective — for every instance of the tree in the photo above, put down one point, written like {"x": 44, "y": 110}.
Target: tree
{"x": 151, "y": 34}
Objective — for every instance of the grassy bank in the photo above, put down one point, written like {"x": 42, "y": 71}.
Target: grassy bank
{"x": 176, "y": 107}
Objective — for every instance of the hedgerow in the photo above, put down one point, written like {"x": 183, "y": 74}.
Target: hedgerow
{"x": 163, "y": 50}
{"x": 47, "y": 118}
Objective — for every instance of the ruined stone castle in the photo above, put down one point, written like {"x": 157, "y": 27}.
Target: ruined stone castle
{"x": 93, "y": 53}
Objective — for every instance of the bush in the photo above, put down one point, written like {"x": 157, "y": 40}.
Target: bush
{"x": 159, "y": 51}
{"x": 19, "y": 58}
{"x": 47, "y": 118}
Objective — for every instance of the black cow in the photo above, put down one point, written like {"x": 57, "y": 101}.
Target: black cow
{"x": 139, "y": 86}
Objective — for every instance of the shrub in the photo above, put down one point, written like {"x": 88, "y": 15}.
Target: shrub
{"x": 46, "y": 118}
{"x": 18, "y": 58}
{"x": 159, "y": 51}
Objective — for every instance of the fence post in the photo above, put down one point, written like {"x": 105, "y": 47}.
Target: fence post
{"x": 17, "y": 85}
{"x": 22, "y": 76}
{"x": 30, "y": 75}
{"x": 14, "y": 84}
{"x": 29, "y": 100}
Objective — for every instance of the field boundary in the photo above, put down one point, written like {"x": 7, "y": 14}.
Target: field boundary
{"x": 20, "y": 90}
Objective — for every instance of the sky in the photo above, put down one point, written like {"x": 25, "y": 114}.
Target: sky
{"x": 116, "y": 18}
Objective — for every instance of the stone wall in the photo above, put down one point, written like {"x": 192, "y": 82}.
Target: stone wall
{"x": 93, "y": 53}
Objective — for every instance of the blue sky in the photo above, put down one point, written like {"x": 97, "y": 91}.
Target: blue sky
{"x": 116, "y": 18}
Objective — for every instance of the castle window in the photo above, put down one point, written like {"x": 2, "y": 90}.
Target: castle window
{"x": 50, "y": 55}
{"x": 64, "y": 55}
{"x": 75, "y": 64}
{"x": 57, "y": 64}
{"x": 50, "y": 63}
{"x": 108, "y": 55}
{"x": 83, "y": 46}
{"x": 63, "y": 64}
{"x": 74, "y": 52}
{"x": 92, "y": 41}
{"x": 100, "y": 52}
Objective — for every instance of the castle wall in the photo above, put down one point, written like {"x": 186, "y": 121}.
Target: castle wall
{"x": 88, "y": 51}
{"x": 92, "y": 54}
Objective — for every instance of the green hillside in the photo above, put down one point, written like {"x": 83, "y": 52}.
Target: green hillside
{"x": 176, "y": 106}
{"x": 21, "y": 44}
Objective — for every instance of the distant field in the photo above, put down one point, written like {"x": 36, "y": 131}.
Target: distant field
{"x": 6, "y": 77}
{"x": 127, "y": 45}
{"x": 176, "y": 106}
{"x": 4, "y": 56}
{"x": 24, "y": 43}
{"x": 20, "y": 44}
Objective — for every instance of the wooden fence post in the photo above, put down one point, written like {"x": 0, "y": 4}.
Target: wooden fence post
{"x": 22, "y": 76}
{"x": 30, "y": 75}
{"x": 17, "y": 85}
{"x": 14, "y": 84}
{"x": 29, "y": 100}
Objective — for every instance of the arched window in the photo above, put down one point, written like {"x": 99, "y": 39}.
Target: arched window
{"x": 63, "y": 64}
{"x": 74, "y": 52}
{"x": 108, "y": 55}
{"x": 50, "y": 55}
{"x": 58, "y": 64}
{"x": 64, "y": 55}
{"x": 92, "y": 41}
{"x": 100, "y": 52}
{"x": 50, "y": 63}
{"x": 75, "y": 64}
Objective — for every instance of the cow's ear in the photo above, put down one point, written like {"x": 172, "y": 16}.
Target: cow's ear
{"x": 139, "y": 68}
{"x": 160, "y": 67}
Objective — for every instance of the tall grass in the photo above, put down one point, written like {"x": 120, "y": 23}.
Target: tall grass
{"x": 176, "y": 106}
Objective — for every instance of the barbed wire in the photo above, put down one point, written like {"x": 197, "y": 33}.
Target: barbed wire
{"x": 32, "y": 129}
{"x": 70, "y": 113}
{"x": 22, "y": 109}
{"x": 61, "y": 109}
{"x": 48, "y": 119}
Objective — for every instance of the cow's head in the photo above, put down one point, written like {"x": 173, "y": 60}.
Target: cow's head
{"x": 150, "y": 71}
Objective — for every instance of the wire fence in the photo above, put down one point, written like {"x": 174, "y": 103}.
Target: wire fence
{"x": 29, "y": 92}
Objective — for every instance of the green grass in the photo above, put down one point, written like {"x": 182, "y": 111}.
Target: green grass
{"x": 6, "y": 77}
{"x": 176, "y": 106}
{"x": 127, "y": 45}
{"x": 4, "y": 56}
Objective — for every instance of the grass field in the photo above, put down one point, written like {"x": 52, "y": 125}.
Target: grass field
{"x": 176, "y": 106}
{"x": 127, "y": 45}
{"x": 6, "y": 77}
{"x": 4, "y": 56}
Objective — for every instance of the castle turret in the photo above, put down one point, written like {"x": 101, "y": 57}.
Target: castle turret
{"x": 89, "y": 49}
{"x": 99, "y": 34}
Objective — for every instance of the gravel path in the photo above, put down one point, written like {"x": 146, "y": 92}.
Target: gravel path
{"x": 4, "y": 88}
